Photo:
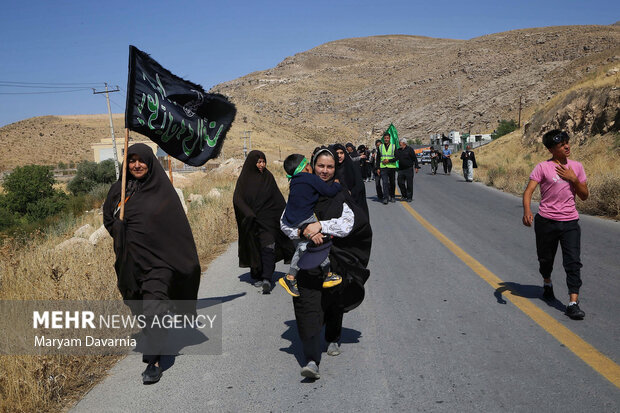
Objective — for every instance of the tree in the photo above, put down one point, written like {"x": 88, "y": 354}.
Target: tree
{"x": 7, "y": 218}
{"x": 30, "y": 193}
{"x": 89, "y": 174}
{"x": 504, "y": 127}
{"x": 26, "y": 185}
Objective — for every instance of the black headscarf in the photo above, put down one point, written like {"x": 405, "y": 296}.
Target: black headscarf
{"x": 350, "y": 175}
{"x": 258, "y": 205}
{"x": 154, "y": 233}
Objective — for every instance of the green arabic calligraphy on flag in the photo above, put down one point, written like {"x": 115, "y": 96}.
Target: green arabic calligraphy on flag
{"x": 185, "y": 121}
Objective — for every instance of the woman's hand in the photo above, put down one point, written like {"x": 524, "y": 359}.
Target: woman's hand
{"x": 317, "y": 239}
{"x": 312, "y": 230}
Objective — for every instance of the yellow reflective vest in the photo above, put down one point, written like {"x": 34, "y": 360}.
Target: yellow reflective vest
{"x": 387, "y": 154}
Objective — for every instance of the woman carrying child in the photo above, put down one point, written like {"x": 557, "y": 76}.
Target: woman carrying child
{"x": 305, "y": 189}
{"x": 341, "y": 218}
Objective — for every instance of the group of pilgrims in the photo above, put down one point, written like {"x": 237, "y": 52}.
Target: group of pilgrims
{"x": 323, "y": 231}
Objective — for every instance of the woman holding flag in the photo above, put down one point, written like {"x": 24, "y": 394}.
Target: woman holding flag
{"x": 156, "y": 258}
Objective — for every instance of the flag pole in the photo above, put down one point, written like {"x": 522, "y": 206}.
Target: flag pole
{"x": 170, "y": 169}
{"x": 124, "y": 180}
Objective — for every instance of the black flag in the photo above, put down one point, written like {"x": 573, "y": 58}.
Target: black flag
{"x": 185, "y": 121}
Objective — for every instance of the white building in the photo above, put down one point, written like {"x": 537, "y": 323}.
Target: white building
{"x": 455, "y": 138}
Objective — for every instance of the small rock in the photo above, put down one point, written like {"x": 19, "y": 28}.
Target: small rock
{"x": 196, "y": 199}
{"x": 75, "y": 244}
{"x": 214, "y": 193}
{"x": 99, "y": 235}
{"x": 84, "y": 231}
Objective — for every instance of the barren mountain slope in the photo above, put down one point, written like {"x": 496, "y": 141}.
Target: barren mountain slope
{"x": 345, "y": 89}
{"x": 47, "y": 140}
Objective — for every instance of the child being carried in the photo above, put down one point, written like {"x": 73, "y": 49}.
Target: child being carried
{"x": 305, "y": 189}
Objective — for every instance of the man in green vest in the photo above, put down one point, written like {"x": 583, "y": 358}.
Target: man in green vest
{"x": 388, "y": 168}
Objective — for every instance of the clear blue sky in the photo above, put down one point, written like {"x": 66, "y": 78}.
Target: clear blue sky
{"x": 71, "y": 44}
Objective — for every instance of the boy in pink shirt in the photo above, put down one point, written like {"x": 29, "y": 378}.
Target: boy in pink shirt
{"x": 557, "y": 220}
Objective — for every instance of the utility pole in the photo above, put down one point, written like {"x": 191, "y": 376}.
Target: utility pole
{"x": 107, "y": 97}
{"x": 245, "y": 148}
{"x": 249, "y": 136}
{"x": 519, "y": 124}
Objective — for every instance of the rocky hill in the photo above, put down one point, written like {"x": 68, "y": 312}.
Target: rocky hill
{"x": 585, "y": 111}
{"x": 351, "y": 89}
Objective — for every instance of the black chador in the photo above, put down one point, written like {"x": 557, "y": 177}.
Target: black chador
{"x": 258, "y": 205}
{"x": 350, "y": 175}
{"x": 154, "y": 244}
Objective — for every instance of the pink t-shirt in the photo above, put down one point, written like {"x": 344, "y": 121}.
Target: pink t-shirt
{"x": 557, "y": 196}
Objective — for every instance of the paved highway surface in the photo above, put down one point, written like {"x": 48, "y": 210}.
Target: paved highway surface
{"x": 434, "y": 334}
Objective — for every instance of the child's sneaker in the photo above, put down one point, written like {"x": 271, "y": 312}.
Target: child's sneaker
{"x": 332, "y": 280}
{"x": 289, "y": 285}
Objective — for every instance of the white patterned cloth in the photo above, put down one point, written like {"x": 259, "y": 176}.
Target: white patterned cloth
{"x": 338, "y": 227}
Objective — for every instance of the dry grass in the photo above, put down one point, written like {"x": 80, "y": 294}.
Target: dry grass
{"x": 506, "y": 164}
{"x": 34, "y": 270}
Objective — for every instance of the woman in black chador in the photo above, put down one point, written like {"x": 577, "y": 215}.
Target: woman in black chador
{"x": 349, "y": 174}
{"x": 258, "y": 205}
{"x": 341, "y": 218}
{"x": 156, "y": 258}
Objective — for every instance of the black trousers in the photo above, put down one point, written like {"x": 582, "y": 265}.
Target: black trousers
{"x": 378, "y": 184}
{"x": 568, "y": 234}
{"x": 154, "y": 288}
{"x": 365, "y": 166}
{"x": 447, "y": 165}
{"x": 268, "y": 261}
{"x": 405, "y": 183}
{"x": 388, "y": 178}
{"x": 314, "y": 308}
{"x": 267, "y": 265}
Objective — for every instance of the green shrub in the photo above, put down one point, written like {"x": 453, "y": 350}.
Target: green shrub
{"x": 27, "y": 185}
{"x": 46, "y": 207}
{"x": 7, "y": 218}
{"x": 504, "y": 128}
{"x": 89, "y": 174}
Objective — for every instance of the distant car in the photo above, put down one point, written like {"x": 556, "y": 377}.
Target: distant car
{"x": 425, "y": 157}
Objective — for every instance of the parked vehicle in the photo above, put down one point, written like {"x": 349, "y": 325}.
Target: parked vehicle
{"x": 425, "y": 157}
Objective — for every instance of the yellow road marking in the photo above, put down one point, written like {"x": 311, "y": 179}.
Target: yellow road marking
{"x": 582, "y": 349}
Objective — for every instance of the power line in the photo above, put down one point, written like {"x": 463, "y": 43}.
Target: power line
{"x": 50, "y": 83}
{"x": 45, "y": 87}
{"x": 116, "y": 104}
{"x": 42, "y": 93}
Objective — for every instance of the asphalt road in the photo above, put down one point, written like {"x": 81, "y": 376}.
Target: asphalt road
{"x": 431, "y": 335}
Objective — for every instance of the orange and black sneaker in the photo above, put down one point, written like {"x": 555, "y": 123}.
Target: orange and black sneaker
{"x": 290, "y": 285}
{"x": 331, "y": 280}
